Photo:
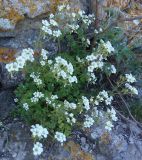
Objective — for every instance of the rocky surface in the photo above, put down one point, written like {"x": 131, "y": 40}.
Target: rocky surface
{"x": 13, "y": 11}
{"x": 123, "y": 143}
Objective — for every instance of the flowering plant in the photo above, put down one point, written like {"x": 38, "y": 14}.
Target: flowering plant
{"x": 64, "y": 90}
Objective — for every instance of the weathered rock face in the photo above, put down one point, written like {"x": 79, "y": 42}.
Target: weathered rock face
{"x": 12, "y": 11}
{"x": 122, "y": 144}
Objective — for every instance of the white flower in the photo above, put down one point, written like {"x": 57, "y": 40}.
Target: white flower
{"x": 72, "y": 79}
{"x": 131, "y": 88}
{"x": 51, "y": 16}
{"x": 70, "y": 105}
{"x": 45, "y": 23}
{"x": 26, "y": 106}
{"x": 108, "y": 46}
{"x": 37, "y": 96}
{"x": 50, "y": 62}
{"x": 130, "y": 78}
{"x": 42, "y": 63}
{"x": 39, "y": 131}
{"x": 91, "y": 57}
{"x": 36, "y": 78}
{"x": 73, "y": 15}
{"x": 57, "y": 33}
{"x": 63, "y": 74}
{"x": 64, "y": 69}
{"x": 113, "y": 69}
{"x": 70, "y": 68}
{"x": 21, "y": 62}
{"x": 60, "y": 137}
{"x": 88, "y": 42}
{"x": 103, "y": 97}
{"x": 100, "y": 29}
{"x": 28, "y": 54}
{"x": 46, "y": 30}
{"x": 37, "y": 149}
{"x": 89, "y": 121}
{"x": 73, "y": 27}
{"x": 109, "y": 125}
{"x": 53, "y": 97}
{"x": 112, "y": 114}
{"x": 15, "y": 100}
{"x": 86, "y": 103}
{"x": 44, "y": 54}
{"x": 81, "y": 13}
{"x": 108, "y": 100}
{"x": 53, "y": 22}
{"x": 96, "y": 31}
{"x": 70, "y": 118}
{"x": 61, "y": 7}
{"x": 90, "y": 68}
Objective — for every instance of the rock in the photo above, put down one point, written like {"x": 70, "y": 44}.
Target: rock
{"x": 6, "y": 103}
{"x": 18, "y": 142}
{"x": 120, "y": 143}
{"x": 25, "y": 35}
{"x": 13, "y": 11}
{"x": 7, "y": 81}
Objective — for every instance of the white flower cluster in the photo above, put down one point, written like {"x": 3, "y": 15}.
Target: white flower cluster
{"x": 51, "y": 100}
{"x": 36, "y": 78}
{"x": 15, "y": 100}
{"x": 86, "y": 104}
{"x": 26, "y": 55}
{"x": 44, "y": 55}
{"x": 63, "y": 6}
{"x": 112, "y": 114}
{"x": 96, "y": 62}
{"x": 39, "y": 131}
{"x": 113, "y": 69}
{"x": 109, "y": 125}
{"x": 98, "y": 31}
{"x": 131, "y": 88}
{"x": 51, "y": 27}
{"x": 70, "y": 118}
{"x": 103, "y": 97}
{"x": 92, "y": 78}
{"x": 108, "y": 46}
{"x": 37, "y": 96}
{"x": 131, "y": 79}
{"x": 89, "y": 121}
{"x": 60, "y": 137}
{"x": 69, "y": 105}
{"x": 64, "y": 69}
{"x": 65, "y": 20}
{"x": 37, "y": 149}
{"x": 26, "y": 106}
{"x": 112, "y": 117}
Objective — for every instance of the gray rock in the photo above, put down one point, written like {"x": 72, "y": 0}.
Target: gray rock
{"x": 7, "y": 81}
{"x": 6, "y": 103}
